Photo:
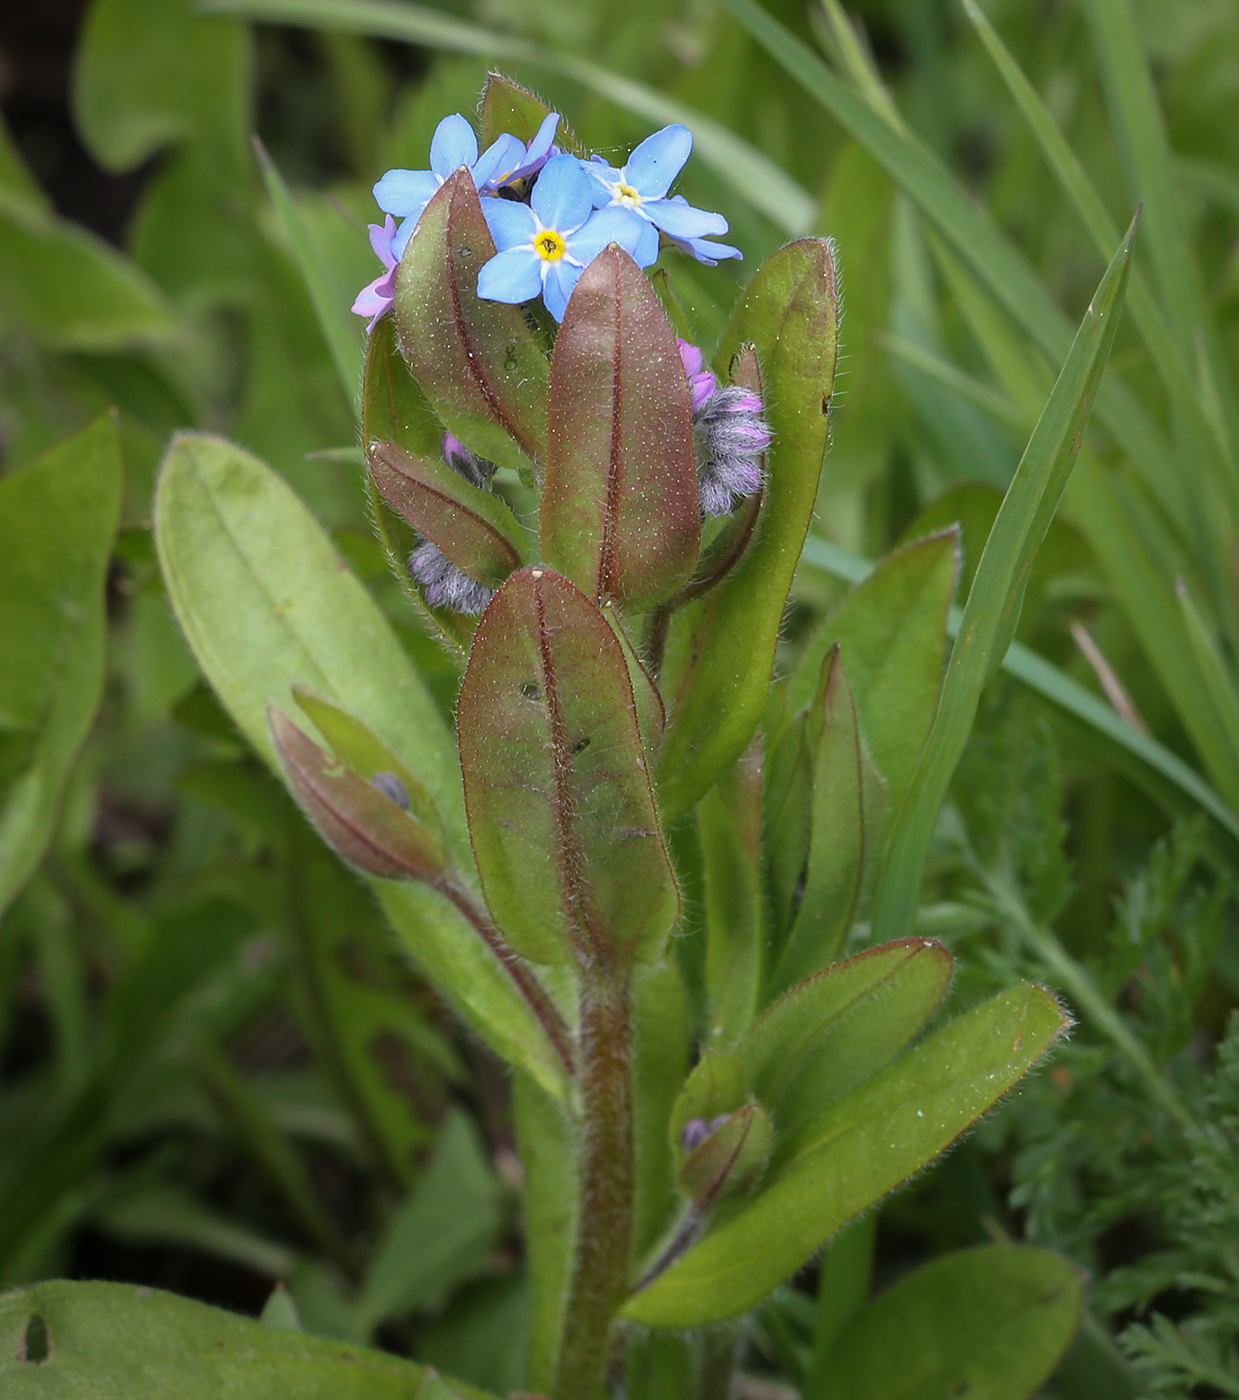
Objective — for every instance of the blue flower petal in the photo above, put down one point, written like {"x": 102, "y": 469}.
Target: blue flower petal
{"x": 504, "y": 155}
{"x": 510, "y": 223}
{"x": 706, "y": 251}
{"x": 682, "y": 220}
{"x": 564, "y": 195}
{"x": 402, "y": 235}
{"x": 613, "y": 225}
{"x": 452, "y": 145}
{"x": 561, "y": 277}
{"x": 658, "y": 160}
{"x": 405, "y": 192}
{"x": 512, "y": 276}
{"x": 543, "y": 139}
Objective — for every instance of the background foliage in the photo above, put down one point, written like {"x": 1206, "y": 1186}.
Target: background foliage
{"x": 217, "y": 1076}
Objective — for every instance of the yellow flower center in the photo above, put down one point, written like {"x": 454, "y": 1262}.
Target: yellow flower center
{"x": 549, "y": 245}
{"x": 626, "y": 195}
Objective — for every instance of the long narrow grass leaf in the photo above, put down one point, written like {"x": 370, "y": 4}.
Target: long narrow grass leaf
{"x": 343, "y": 340}
{"x": 994, "y": 600}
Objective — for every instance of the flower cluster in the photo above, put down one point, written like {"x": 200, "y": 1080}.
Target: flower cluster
{"x": 550, "y": 213}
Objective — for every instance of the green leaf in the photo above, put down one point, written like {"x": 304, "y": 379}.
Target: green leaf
{"x": 790, "y": 313}
{"x": 393, "y": 407}
{"x": 891, "y": 631}
{"x": 847, "y": 822}
{"x": 547, "y": 1142}
{"x": 58, "y": 518}
{"x": 267, "y": 604}
{"x": 730, "y": 1161}
{"x": 564, "y": 829}
{"x": 729, "y": 822}
{"x": 477, "y": 361}
{"x": 146, "y": 76}
{"x": 72, "y": 291}
{"x": 659, "y": 1065}
{"x": 472, "y": 527}
{"x": 997, "y": 592}
{"x": 506, "y": 106}
{"x": 441, "y": 1236}
{"x": 1218, "y": 697}
{"x": 989, "y": 1323}
{"x": 842, "y": 1025}
{"x": 108, "y": 1341}
{"x": 619, "y": 512}
{"x": 863, "y": 1146}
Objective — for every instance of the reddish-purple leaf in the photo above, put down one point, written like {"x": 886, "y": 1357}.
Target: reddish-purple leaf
{"x": 620, "y": 515}
{"x": 477, "y": 361}
{"x": 356, "y": 820}
{"x": 561, "y": 813}
{"x": 472, "y": 527}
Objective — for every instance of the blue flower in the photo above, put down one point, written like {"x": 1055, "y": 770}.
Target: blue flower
{"x": 406, "y": 193}
{"x": 376, "y": 299}
{"x": 526, "y": 161}
{"x": 545, "y": 245}
{"x": 641, "y": 186}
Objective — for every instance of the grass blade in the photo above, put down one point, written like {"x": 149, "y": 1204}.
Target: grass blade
{"x": 343, "y": 340}
{"x": 997, "y": 593}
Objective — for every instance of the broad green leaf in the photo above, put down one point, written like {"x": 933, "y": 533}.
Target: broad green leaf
{"x": 441, "y": 1236}
{"x": 472, "y": 527}
{"x": 393, "y": 407}
{"x": 729, "y": 822}
{"x": 989, "y": 1323}
{"x": 476, "y": 361}
{"x": 787, "y": 811}
{"x": 506, "y": 106}
{"x": 660, "y": 1052}
{"x": 146, "y": 76}
{"x": 58, "y": 518}
{"x": 18, "y": 187}
{"x": 72, "y": 291}
{"x": 564, "y": 828}
{"x": 844, "y": 1277}
{"x": 267, "y": 604}
{"x": 891, "y": 632}
{"x": 109, "y": 1341}
{"x": 838, "y": 1028}
{"x": 619, "y": 514}
{"x": 790, "y": 313}
{"x": 847, "y": 822}
{"x": 863, "y": 1146}
{"x": 994, "y": 601}
{"x": 753, "y": 176}
{"x": 551, "y": 1203}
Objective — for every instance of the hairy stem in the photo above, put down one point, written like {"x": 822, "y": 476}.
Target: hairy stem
{"x": 654, "y": 640}
{"x": 526, "y": 983}
{"x": 604, "y": 1233}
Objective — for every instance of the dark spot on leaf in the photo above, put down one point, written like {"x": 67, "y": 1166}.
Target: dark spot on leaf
{"x": 531, "y": 691}
{"x": 826, "y": 407}
{"x": 581, "y": 744}
{"x": 36, "y": 1345}
{"x": 962, "y": 1388}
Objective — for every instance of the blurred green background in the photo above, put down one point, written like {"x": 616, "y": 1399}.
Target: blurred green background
{"x": 216, "y": 1072}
